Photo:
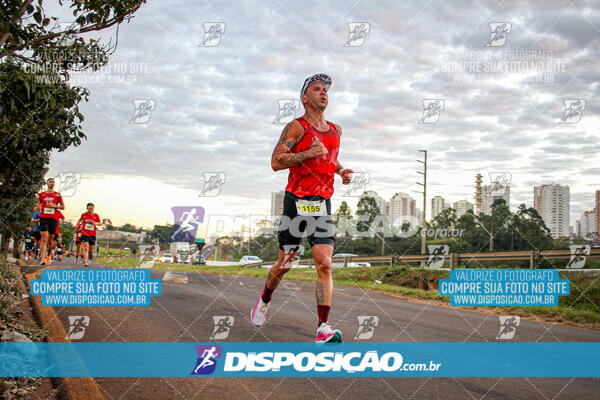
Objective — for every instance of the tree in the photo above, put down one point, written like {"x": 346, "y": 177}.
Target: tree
{"x": 342, "y": 220}
{"x": 343, "y": 212}
{"x": 367, "y": 211}
{"x": 228, "y": 247}
{"x": 475, "y": 236}
{"x": 127, "y": 227}
{"x": 498, "y": 228}
{"x": 530, "y": 230}
{"x": 35, "y": 118}
{"x": 29, "y": 34}
{"x": 161, "y": 233}
{"x": 108, "y": 224}
{"x": 446, "y": 219}
{"x": 66, "y": 232}
{"x": 39, "y": 110}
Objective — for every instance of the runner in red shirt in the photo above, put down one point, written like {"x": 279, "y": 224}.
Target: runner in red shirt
{"x": 88, "y": 220}
{"x": 49, "y": 202}
{"x": 78, "y": 229}
{"x": 309, "y": 147}
{"x": 56, "y": 241}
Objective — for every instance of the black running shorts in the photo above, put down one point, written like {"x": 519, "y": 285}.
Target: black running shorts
{"x": 292, "y": 226}
{"x": 48, "y": 225}
{"x": 89, "y": 239}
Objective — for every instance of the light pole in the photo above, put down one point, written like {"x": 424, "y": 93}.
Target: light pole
{"x": 423, "y": 222}
{"x": 492, "y": 227}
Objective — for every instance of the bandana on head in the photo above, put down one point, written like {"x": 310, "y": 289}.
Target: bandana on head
{"x": 323, "y": 78}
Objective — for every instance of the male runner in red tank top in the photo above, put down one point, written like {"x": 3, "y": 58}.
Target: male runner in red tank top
{"x": 49, "y": 202}
{"x": 88, "y": 222}
{"x": 309, "y": 147}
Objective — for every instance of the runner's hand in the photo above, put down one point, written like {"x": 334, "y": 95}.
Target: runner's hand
{"x": 346, "y": 175}
{"x": 317, "y": 150}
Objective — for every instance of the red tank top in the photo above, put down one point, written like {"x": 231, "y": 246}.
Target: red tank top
{"x": 314, "y": 176}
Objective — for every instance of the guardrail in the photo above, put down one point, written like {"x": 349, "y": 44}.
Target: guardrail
{"x": 257, "y": 264}
{"x": 455, "y": 258}
{"x": 532, "y": 256}
{"x": 372, "y": 260}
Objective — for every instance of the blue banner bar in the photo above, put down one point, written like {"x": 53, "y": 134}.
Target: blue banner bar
{"x": 504, "y": 287}
{"x": 96, "y": 287}
{"x": 223, "y": 359}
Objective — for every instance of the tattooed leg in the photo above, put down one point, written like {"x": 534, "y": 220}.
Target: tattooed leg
{"x": 324, "y": 289}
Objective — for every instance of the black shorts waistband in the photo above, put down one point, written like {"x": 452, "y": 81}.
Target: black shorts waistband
{"x": 293, "y": 196}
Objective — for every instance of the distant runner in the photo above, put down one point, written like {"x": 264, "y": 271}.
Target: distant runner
{"x": 48, "y": 203}
{"x": 89, "y": 221}
{"x": 29, "y": 243}
{"x": 59, "y": 249}
{"x": 78, "y": 229}
{"x": 36, "y": 232}
{"x": 57, "y": 239}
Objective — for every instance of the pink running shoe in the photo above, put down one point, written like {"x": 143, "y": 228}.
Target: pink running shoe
{"x": 258, "y": 315}
{"x": 325, "y": 334}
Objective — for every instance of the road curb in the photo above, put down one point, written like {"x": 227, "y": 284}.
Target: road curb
{"x": 75, "y": 388}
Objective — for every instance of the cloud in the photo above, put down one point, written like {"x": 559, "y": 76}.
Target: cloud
{"x": 215, "y": 106}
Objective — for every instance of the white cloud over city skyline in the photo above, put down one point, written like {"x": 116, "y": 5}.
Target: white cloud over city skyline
{"x": 215, "y": 106}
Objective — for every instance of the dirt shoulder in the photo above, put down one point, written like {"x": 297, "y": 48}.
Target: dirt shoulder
{"x": 16, "y": 314}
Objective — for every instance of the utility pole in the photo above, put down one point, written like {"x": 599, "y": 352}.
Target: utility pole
{"x": 492, "y": 229}
{"x": 423, "y": 222}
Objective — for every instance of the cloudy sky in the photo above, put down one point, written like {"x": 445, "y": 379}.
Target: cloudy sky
{"x": 214, "y": 107}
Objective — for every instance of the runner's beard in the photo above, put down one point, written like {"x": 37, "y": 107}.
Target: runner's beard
{"x": 318, "y": 107}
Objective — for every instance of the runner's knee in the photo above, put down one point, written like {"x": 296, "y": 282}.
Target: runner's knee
{"x": 323, "y": 266}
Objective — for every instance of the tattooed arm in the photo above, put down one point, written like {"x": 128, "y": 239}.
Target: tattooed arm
{"x": 283, "y": 157}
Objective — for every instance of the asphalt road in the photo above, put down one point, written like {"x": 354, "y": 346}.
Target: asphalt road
{"x": 185, "y": 310}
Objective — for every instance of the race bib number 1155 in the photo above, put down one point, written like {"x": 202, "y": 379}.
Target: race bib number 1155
{"x": 311, "y": 208}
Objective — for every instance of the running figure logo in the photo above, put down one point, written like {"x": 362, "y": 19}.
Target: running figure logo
{"x": 358, "y": 34}
{"x": 499, "y": 182}
{"x": 291, "y": 252}
{"x": 508, "y": 327}
{"x": 579, "y": 254}
{"x": 68, "y": 183}
{"x": 287, "y": 111}
{"x": 186, "y": 223}
{"x": 212, "y": 34}
{"x": 366, "y": 326}
{"x": 358, "y": 184}
{"x": 142, "y": 110}
{"x": 68, "y": 39}
{"x": 573, "y": 111}
{"x": 437, "y": 255}
{"x": 432, "y": 109}
{"x": 207, "y": 359}
{"x": 77, "y": 325}
{"x": 223, "y": 324}
{"x": 213, "y": 182}
{"x": 148, "y": 253}
{"x": 498, "y": 34}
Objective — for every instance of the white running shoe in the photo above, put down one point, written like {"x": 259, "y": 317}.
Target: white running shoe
{"x": 326, "y": 334}
{"x": 258, "y": 315}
